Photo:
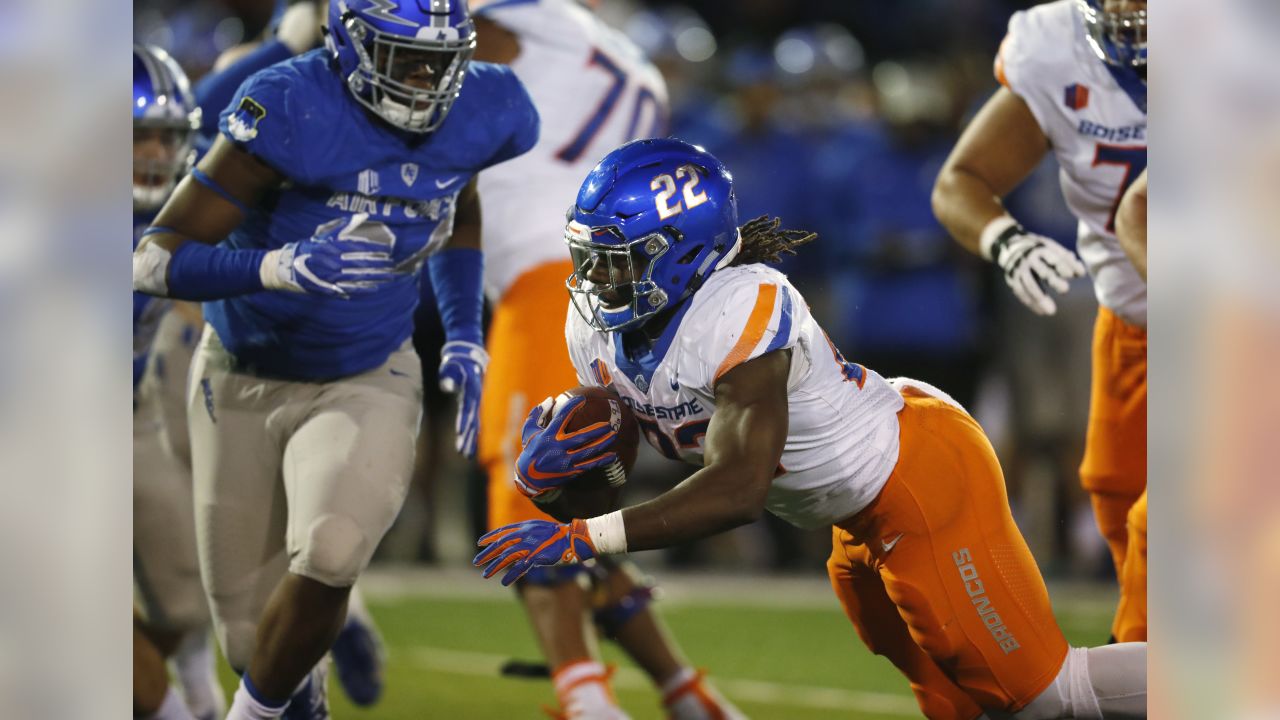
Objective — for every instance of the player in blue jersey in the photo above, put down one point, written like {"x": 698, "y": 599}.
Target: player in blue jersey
{"x": 171, "y": 617}
{"x": 358, "y": 652}
{"x": 304, "y": 228}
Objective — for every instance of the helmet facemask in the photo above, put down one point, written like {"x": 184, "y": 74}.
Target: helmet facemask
{"x": 1118, "y": 37}
{"x": 165, "y": 122}
{"x": 623, "y": 293}
{"x": 392, "y": 71}
{"x": 162, "y": 153}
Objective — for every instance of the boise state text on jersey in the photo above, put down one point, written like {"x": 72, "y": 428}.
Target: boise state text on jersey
{"x": 299, "y": 118}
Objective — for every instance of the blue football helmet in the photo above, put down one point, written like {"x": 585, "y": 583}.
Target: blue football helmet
{"x": 1117, "y": 38}
{"x": 405, "y": 60}
{"x": 652, "y": 221}
{"x": 165, "y": 121}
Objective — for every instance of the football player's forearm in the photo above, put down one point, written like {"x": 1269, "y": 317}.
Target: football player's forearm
{"x": 965, "y": 204}
{"x": 709, "y": 502}
{"x": 166, "y": 264}
{"x": 457, "y": 276}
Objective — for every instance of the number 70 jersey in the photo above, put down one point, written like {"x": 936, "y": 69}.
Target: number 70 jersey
{"x": 842, "y": 429}
{"x": 594, "y": 91}
{"x": 1096, "y": 121}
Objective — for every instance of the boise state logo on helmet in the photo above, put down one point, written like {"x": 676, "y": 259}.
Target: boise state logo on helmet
{"x": 652, "y": 221}
{"x": 404, "y": 60}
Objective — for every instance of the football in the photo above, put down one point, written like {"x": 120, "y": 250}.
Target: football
{"x": 594, "y": 492}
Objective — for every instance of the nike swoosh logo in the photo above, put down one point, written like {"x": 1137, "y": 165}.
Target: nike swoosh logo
{"x": 536, "y": 474}
{"x": 889, "y": 545}
{"x": 447, "y": 183}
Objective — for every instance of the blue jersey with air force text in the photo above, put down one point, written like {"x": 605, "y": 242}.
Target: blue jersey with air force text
{"x": 299, "y": 118}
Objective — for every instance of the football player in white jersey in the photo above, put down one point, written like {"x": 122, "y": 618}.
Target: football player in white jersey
{"x": 594, "y": 90}
{"x": 1074, "y": 82}
{"x": 725, "y": 368}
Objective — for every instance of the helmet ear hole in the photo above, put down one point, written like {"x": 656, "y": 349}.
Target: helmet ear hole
{"x": 690, "y": 256}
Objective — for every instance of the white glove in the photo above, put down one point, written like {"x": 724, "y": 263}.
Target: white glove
{"x": 299, "y": 27}
{"x": 342, "y": 259}
{"x": 1030, "y": 262}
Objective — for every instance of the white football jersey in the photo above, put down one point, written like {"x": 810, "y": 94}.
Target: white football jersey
{"x": 1098, "y": 133}
{"x": 594, "y": 90}
{"x": 842, "y": 433}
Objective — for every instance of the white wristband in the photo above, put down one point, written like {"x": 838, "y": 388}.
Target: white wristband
{"x": 151, "y": 269}
{"x": 991, "y": 232}
{"x": 269, "y": 271}
{"x": 608, "y": 533}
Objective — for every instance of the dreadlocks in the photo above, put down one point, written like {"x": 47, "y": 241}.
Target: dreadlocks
{"x": 763, "y": 242}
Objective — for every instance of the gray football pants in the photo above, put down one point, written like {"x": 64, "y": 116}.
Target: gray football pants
{"x": 293, "y": 476}
{"x": 166, "y": 574}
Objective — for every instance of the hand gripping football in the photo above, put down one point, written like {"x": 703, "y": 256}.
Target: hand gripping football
{"x": 594, "y": 492}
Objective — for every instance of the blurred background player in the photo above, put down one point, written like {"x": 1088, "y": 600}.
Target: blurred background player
{"x": 675, "y": 301}
{"x": 306, "y": 392}
{"x": 1074, "y": 77}
{"x": 172, "y": 618}
{"x": 594, "y": 90}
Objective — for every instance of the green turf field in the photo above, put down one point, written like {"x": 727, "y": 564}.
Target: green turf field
{"x": 797, "y": 658}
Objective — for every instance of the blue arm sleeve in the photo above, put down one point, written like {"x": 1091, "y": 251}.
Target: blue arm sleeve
{"x": 215, "y": 91}
{"x": 207, "y": 272}
{"x": 457, "y": 275}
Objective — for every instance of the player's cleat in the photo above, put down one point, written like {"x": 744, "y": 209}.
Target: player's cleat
{"x": 584, "y": 693}
{"x": 358, "y": 655}
{"x": 311, "y": 700}
{"x": 690, "y": 696}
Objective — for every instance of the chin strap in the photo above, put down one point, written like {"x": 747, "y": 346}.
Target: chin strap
{"x": 731, "y": 253}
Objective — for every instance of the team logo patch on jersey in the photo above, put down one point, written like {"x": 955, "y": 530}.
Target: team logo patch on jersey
{"x": 409, "y": 173}
{"x": 243, "y": 123}
{"x": 1076, "y": 96}
{"x": 368, "y": 183}
{"x": 601, "y": 372}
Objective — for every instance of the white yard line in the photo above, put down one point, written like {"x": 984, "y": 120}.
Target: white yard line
{"x": 684, "y": 588}
{"x": 759, "y": 691}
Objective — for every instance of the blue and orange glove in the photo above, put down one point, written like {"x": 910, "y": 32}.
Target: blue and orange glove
{"x": 517, "y": 548}
{"x": 552, "y": 456}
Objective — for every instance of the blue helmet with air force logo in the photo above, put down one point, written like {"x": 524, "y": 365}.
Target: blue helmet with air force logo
{"x": 404, "y": 60}
{"x": 652, "y": 221}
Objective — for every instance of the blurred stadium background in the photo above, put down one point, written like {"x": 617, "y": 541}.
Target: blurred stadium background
{"x": 836, "y": 116}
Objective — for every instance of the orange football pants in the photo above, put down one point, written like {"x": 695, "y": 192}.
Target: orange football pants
{"x": 936, "y": 577}
{"x": 528, "y": 361}
{"x": 1130, "y": 624}
{"x": 1114, "y": 471}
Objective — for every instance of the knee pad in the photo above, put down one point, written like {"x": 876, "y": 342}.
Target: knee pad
{"x": 550, "y": 575}
{"x": 611, "y": 610}
{"x": 334, "y": 552}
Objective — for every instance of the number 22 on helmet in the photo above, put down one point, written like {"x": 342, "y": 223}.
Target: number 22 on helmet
{"x": 652, "y": 221}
